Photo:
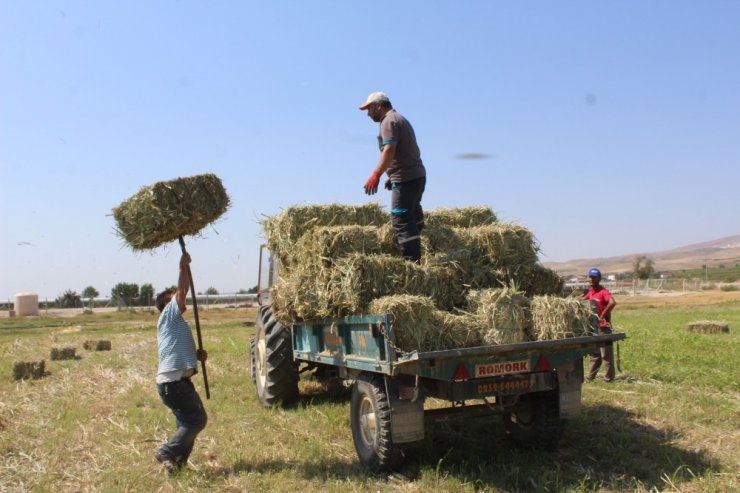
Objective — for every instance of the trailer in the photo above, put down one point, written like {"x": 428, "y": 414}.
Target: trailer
{"x": 535, "y": 386}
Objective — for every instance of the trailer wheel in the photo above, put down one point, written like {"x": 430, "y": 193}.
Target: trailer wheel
{"x": 274, "y": 372}
{"x": 535, "y": 421}
{"x": 371, "y": 424}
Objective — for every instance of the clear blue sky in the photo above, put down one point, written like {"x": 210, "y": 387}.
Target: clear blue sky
{"x": 608, "y": 127}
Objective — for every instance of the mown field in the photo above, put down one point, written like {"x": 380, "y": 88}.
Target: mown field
{"x": 671, "y": 422}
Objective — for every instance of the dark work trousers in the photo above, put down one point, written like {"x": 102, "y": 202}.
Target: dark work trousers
{"x": 190, "y": 416}
{"x": 605, "y": 354}
{"x": 407, "y": 216}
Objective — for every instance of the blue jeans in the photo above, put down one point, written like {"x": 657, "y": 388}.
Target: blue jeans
{"x": 190, "y": 416}
{"x": 407, "y": 216}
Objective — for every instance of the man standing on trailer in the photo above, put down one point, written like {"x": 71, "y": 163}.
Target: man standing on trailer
{"x": 604, "y": 305}
{"x": 401, "y": 160}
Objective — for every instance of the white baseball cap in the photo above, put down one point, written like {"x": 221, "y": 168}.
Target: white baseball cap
{"x": 375, "y": 97}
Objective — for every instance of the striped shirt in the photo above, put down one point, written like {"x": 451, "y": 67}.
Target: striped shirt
{"x": 175, "y": 344}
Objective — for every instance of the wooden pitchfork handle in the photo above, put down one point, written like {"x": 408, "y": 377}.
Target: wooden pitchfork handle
{"x": 197, "y": 322}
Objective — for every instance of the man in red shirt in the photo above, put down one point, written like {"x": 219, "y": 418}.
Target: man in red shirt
{"x": 604, "y": 305}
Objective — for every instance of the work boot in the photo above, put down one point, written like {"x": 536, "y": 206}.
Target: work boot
{"x": 168, "y": 460}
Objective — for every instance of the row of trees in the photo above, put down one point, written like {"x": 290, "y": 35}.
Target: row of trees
{"x": 125, "y": 294}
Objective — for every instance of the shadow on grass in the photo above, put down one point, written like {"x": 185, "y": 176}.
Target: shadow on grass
{"x": 605, "y": 447}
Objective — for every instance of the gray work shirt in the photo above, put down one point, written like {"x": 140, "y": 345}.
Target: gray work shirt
{"x": 407, "y": 165}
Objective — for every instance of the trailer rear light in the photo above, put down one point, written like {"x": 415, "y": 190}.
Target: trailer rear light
{"x": 543, "y": 364}
{"x": 461, "y": 373}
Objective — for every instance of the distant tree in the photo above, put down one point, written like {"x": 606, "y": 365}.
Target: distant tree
{"x": 146, "y": 294}
{"x": 125, "y": 292}
{"x": 643, "y": 267}
{"x": 90, "y": 293}
{"x": 69, "y": 299}
{"x": 211, "y": 291}
{"x": 242, "y": 291}
{"x": 253, "y": 290}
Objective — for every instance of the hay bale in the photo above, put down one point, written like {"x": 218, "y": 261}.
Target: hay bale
{"x": 358, "y": 279}
{"x": 709, "y": 327}
{"x": 560, "y": 318}
{"x": 25, "y": 370}
{"x": 416, "y": 323}
{"x": 459, "y": 217}
{"x": 461, "y": 330}
{"x": 97, "y": 345}
{"x": 500, "y": 315}
{"x": 324, "y": 244}
{"x": 283, "y": 230}
{"x": 162, "y": 212}
{"x": 538, "y": 280}
{"x": 62, "y": 352}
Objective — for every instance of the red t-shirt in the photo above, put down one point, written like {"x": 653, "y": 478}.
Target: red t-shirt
{"x": 602, "y": 296}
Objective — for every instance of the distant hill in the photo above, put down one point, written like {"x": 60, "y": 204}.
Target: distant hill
{"x": 724, "y": 251}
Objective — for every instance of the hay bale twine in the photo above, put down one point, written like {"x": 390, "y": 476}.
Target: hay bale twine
{"x": 102, "y": 345}
{"x": 162, "y": 212}
{"x": 62, "y": 352}
{"x": 560, "y": 318}
{"x": 709, "y": 327}
{"x": 26, "y": 370}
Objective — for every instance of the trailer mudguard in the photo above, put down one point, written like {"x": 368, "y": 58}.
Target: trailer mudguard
{"x": 570, "y": 381}
{"x": 407, "y": 410}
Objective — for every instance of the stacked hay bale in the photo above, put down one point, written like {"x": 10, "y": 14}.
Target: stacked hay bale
{"x": 341, "y": 260}
{"x": 558, "y": 318}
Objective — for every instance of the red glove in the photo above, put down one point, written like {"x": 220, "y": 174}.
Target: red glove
{"x": 371, "y": 186}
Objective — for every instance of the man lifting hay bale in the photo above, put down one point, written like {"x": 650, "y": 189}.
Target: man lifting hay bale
{"x": 156, "y": 215}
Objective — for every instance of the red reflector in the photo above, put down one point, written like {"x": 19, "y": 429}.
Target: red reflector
{"x": 543, "y": 365}
{"x": 461, "y": 373}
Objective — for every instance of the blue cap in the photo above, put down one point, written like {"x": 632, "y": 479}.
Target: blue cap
{"x": 594, "y": 273}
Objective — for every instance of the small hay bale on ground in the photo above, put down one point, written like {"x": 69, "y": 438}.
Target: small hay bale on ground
{"x": 63, "y": 352}
{"x": 709, "y": 327}
{"x": 162, "y": 212}
{"x": 97, "y": 345}
{"x": 25, "y": 370}
{"x": 560, "y": 318}
{"x": 416, "y": 324}
{"x": 283, "y": 230}
{"x": 501, "y": 315}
